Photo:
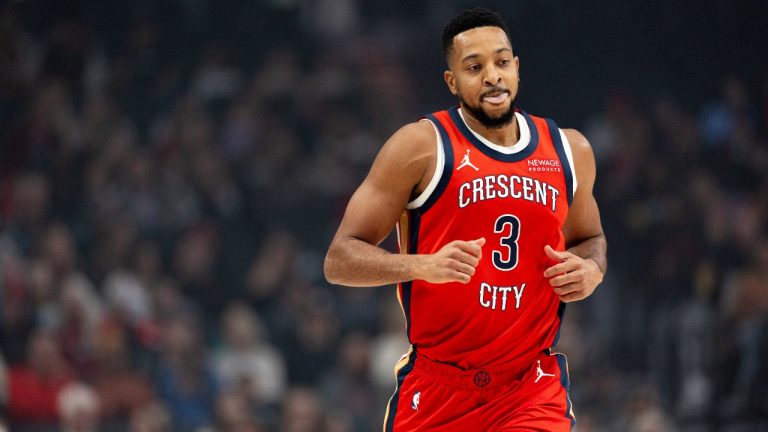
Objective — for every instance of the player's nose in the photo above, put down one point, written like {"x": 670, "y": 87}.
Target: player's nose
{"x": 492, "y": 76}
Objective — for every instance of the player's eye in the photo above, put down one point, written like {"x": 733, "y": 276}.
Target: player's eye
{"x": 473, "y": 67}
{"x": 504, "y": 62}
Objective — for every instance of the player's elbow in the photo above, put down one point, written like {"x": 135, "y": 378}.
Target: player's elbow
{"x": 331, "y": 266}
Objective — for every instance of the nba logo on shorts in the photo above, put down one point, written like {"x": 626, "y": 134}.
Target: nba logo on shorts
{"x": 415, "y": 402}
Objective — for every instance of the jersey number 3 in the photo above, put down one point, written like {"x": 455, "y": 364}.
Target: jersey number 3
{"x": 509, "y": 227}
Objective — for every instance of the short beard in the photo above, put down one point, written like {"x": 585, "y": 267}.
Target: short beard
{"x": 486, "y": 120}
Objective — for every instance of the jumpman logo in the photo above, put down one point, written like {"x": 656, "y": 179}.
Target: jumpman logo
{"x": 465, "y": 162}
{"x": 540, "y": 373}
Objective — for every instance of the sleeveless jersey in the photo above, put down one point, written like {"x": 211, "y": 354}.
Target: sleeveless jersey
{"x": 517, "y": 198}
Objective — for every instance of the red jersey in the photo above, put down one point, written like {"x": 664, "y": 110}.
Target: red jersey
{"x": 517, "y": 198}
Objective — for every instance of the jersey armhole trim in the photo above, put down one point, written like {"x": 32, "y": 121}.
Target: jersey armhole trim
{"x": 556, "y": 136}
{"x": 424, "y": 200}
{"x": 569, "y": 155}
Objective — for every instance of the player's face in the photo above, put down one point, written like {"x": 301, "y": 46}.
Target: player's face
{"x": 484, "y": 75}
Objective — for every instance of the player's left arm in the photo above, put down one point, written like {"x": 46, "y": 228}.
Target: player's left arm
{"x": 580, "y": 268}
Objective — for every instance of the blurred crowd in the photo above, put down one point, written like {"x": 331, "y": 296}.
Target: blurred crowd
{"x": 169, "y": 183}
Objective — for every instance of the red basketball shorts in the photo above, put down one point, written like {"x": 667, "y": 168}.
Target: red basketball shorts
{"x": 433, "y": 396}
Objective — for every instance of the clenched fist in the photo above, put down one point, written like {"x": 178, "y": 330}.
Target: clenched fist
{"x": 454, "y": 262}
{"x": 573, "y": 278}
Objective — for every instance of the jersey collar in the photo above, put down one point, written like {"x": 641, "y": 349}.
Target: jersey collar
{"x": 529, "y": 138}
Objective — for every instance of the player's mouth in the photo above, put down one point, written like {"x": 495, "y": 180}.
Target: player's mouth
{"x": 496, "y": 97}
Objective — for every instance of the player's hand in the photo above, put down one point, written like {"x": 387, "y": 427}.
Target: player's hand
{"x": 573, "y": 278}
{"x": 454, "y": 262}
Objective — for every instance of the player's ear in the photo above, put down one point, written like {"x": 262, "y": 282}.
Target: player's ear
{"x": 450, "y": 80}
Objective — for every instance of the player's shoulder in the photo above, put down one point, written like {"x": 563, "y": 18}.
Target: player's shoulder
{"x": 410, "y": 147}
{"x": 418, "y": 133}
{"x": 583, "y": 157}
{"x": 417, "y": 138}
{"x": 577, "y": 140}
{"x": 579, "y": 146}
{"x": 405, "y": 157}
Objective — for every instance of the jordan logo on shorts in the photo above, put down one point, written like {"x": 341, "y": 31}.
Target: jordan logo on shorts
{"x": 465, "y": 162}
{"x": 415, "y": 401}
{"x": 540, "y": 373}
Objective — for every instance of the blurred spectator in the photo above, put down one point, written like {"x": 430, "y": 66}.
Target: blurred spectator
{"x": 17, "y": 308}
{"x": 29, "y": 206}
{"x": 182, "y": 377}
{"x": 311, "y": 347}
{"x": 358, "y": 309}
{"x": 331, "y": 19}
{"x": 195, "y": 258}
{"x": 168, "y": 301}
{"x": 150, "y": 418}
{"x": 241, "y": 130}
{"x": 720, "y": 119}
{"x": 80, "y": 317}
{"x": 350, "y": 384}
{"x": 54, "y": 269}
{"x": 646, "y": 415}
{"x": 3, "y": 390}
{"x": 127, "y": 296}
{"x": 271, "y": 269}
{"x": 34, "y": 386}
{"x": 233, "y": 414}
{"x": 78, "y": 409}
{"x": 128, "y": 300}
{"x": 339, "y": 421}
{"x": 301, "y": 411}
{"x": 217, "y": 80}
{"x": 246, "y": 361}
{"x": 115, "y": 368}
{"x": 745, "y": 311}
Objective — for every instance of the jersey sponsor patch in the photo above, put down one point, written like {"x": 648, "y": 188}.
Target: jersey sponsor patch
{"x": 544, "y": 165}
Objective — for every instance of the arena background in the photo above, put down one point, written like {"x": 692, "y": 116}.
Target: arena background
{"x": 171, "y": 174}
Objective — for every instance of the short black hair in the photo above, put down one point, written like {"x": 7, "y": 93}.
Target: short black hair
{"x": 467, "y": 20}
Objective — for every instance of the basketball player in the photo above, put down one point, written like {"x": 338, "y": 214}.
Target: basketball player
{"x": 498, "y": 229}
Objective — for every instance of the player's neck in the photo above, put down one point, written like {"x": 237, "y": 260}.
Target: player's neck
{"x": 505, "y": 136}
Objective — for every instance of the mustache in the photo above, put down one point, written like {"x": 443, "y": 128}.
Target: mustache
{"x": 494, "y": 89}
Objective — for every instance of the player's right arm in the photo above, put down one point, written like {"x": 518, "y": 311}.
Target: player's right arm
{"x": 402, "y": 169}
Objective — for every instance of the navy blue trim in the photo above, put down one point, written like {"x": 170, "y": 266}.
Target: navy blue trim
{"x": 554, "y": 131}
{"x": 560, "y": 314}
{"x": 406, "y": 299}
{"x": 413, "y": 247}
{"x": 447, "y": 166}
{"x": 504, "y": 157}
{"x": 562, "y": 363}
{"x": 401, "y": 374}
